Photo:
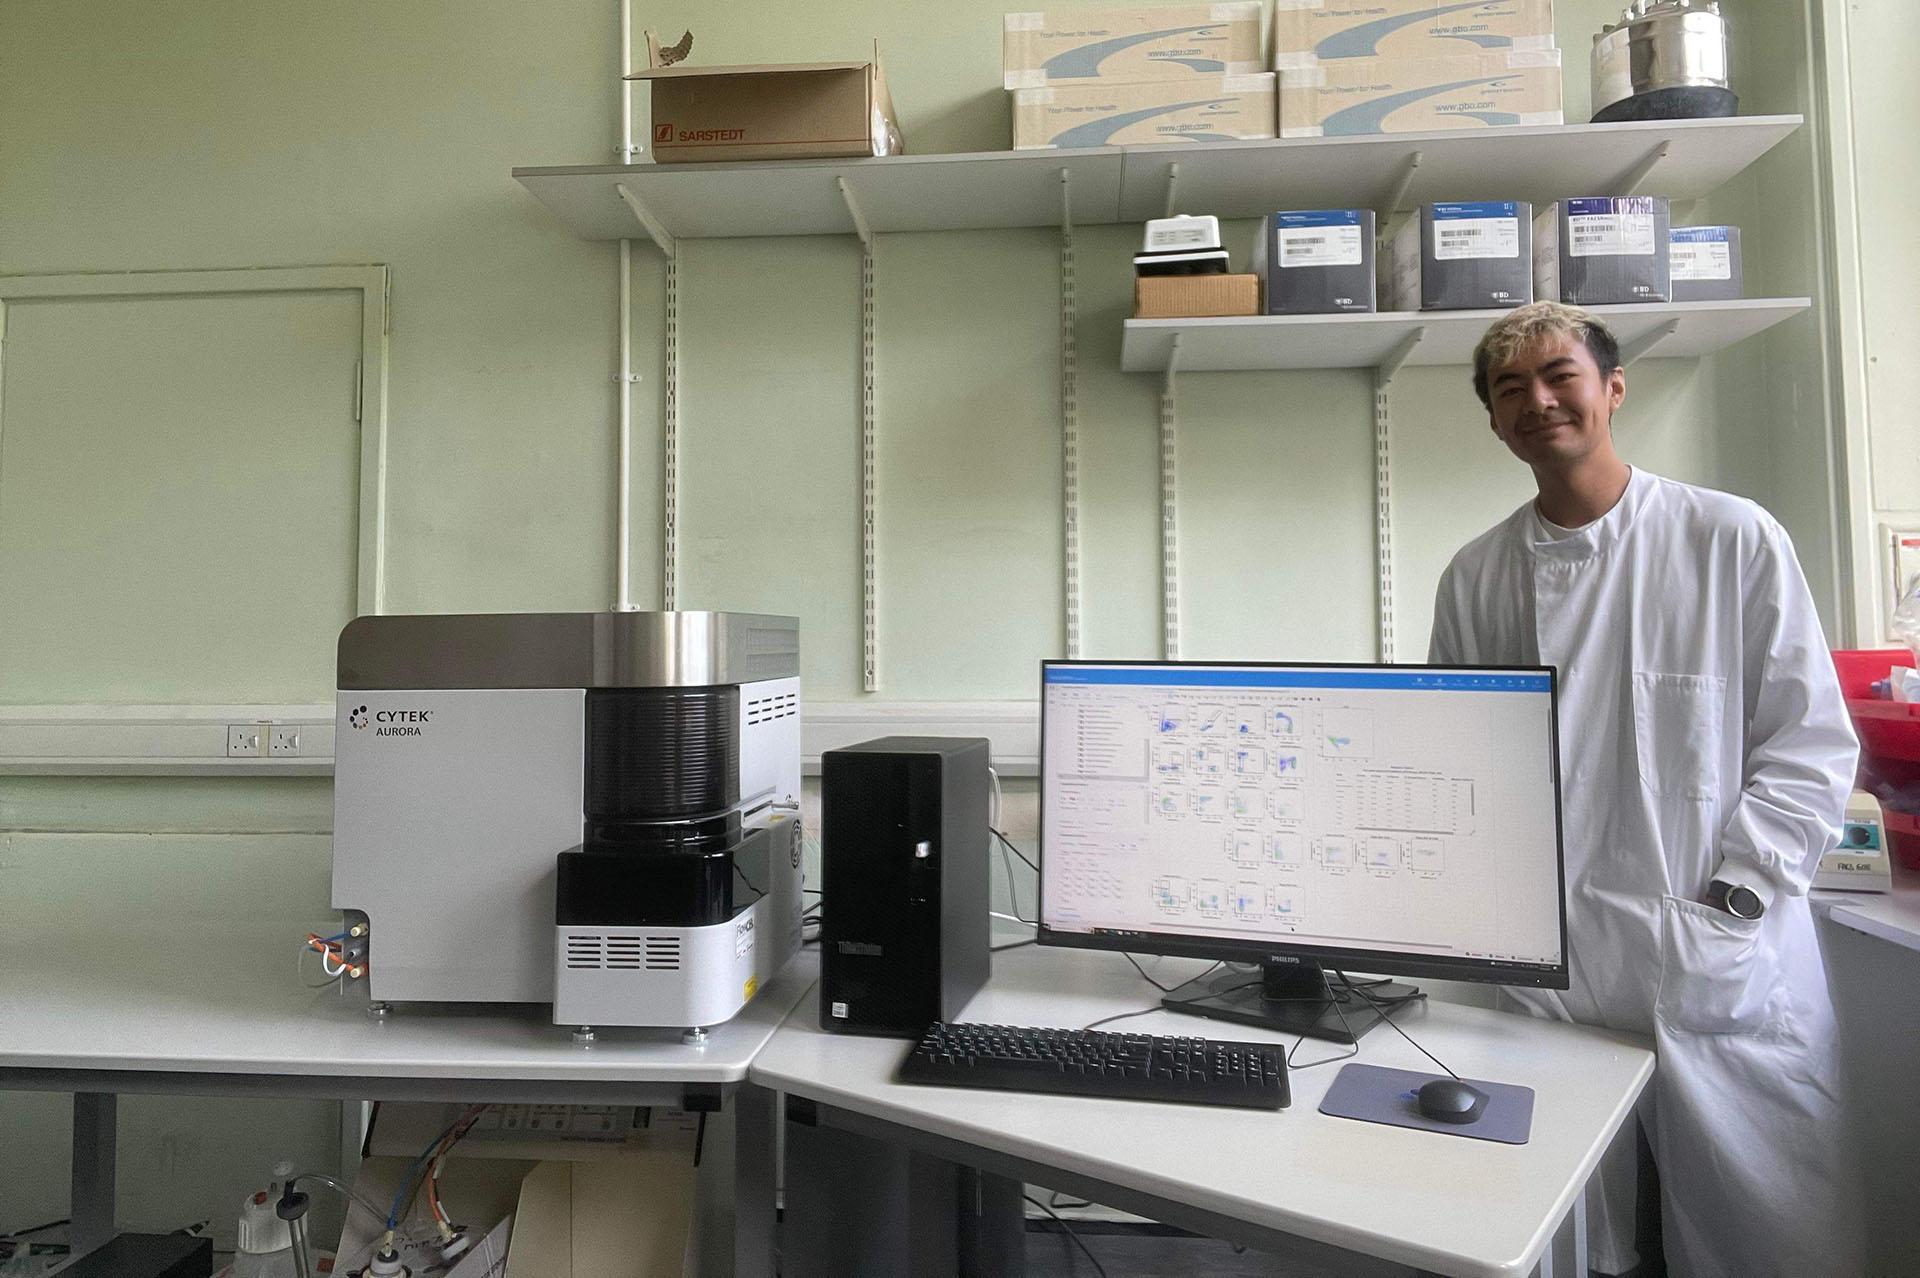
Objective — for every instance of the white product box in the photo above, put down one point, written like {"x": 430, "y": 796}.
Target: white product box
{"x": 1165, "y": 42}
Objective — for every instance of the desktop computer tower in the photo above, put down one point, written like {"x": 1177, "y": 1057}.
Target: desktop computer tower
{"x": 903, "y": 848}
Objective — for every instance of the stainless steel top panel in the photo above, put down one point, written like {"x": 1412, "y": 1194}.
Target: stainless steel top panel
{"x": 567, "y": 650}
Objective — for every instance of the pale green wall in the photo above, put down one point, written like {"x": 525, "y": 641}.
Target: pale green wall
{"x": 268, "y": 132}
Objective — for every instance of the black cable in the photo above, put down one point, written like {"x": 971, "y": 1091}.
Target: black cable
{"x": 1031, "y": 865}
{"x": 1353, "y": 1048}
{"x": 1013, "y": 945}
{"x": 1071, "y": 1233}
{"x": 699, "y": 1137}
{"x": 1164, "y": 989}
{"x": 1380, "y": 1009}
{"x": 1174, "y": 1002}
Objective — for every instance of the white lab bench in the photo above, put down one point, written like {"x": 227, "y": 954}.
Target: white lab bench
{"x": 1352, "y": 1197}
{"x": 101, "y": 1011}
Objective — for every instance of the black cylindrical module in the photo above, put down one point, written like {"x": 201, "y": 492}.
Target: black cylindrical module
{"x": 661, "y": 753}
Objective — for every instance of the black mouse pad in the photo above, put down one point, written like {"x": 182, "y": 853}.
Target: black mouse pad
{"x": 1376, "y": 1095}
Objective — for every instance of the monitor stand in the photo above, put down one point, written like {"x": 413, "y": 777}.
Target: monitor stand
{"x": 1293, "y": 998}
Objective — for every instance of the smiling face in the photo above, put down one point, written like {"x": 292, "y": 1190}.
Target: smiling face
{"x": 1552, "y": 405}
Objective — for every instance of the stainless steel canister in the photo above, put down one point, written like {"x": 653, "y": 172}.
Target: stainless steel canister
{"x": 1664, "y": 59}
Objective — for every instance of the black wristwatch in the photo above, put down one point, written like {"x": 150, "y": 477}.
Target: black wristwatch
{"x": 1741, "y": 902}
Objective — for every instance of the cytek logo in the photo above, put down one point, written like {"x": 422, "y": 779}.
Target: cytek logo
{"x": 393, "y": 723}
{"x": 357, "y": 716}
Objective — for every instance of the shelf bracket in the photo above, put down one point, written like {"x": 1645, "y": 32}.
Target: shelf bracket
{"x": 662, "y": 240}
{"x": 1643, "y": 346}
{"x": 1396, "y": 193}
{"x": 1384, "y": 374}
{"x": 1169, "y": 522}
{"x": 1069, "y": 418}
{"x": 1173, "y": 189}
{"x": 1629, "y": 183}
{"x": 860, "y": 227}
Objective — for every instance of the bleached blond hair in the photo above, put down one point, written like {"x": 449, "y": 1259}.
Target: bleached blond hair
{"x": 1539, "y": 322}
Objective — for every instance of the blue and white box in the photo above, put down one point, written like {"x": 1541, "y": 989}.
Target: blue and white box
{"x": 1706, "y": 264}
{"x": 1603, "y": 250}
{"x": 1131, "y": 43}
{"x": 1460, "y": 255}
{"x": 1316, "y": 261}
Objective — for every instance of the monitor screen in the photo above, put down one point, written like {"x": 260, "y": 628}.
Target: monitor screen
{"x": 1395, "y": 819}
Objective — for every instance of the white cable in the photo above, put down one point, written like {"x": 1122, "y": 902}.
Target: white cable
{"x": 1012, "y": 918}
{"x": 993, "y": 779}
{"x": 378, "y": 1213}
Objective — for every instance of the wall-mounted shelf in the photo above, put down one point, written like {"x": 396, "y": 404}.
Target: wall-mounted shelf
{"x": 1681, "y": 159}
{"x": 1446, "y": 337}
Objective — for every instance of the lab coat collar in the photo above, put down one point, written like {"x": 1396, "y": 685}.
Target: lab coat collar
{"x": 1598, "y": 537}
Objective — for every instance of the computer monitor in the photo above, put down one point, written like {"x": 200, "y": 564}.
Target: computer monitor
{"x": 1395, "y": 820}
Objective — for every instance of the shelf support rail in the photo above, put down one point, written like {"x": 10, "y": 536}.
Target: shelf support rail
{"x": 670, "y": 418}
{"x": 1069, "y": 417}
{"x": 623, "y": 449}
{"x": 869, "y": 454}
{"x": 1169, "y": 524}
{"x": 1643, "y": 346}
{"x": 670, "y": 448}
{"x": 656, "y": 231}
{"x": 1383, "y": 484}
{"x": 1630, "y": 182}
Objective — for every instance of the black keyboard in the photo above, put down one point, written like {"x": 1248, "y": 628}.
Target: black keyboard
{"x": 1069, "y": 1062}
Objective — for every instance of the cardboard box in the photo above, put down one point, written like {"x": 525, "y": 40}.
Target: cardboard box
{"x": 771, "y": 112}
{"x": 1223, "y": 109}
{"x": 1308, "y": 32}
{"x": 1167, "y": 42}
{"x": 1458, "y": 255}
{"x": 1316, "y": 261}
{"x": 629, "y": 1218}
{"x": 586, "y": 1198}
{"x": 1602, "y": 250}
{"x": 1346, "y": 97}
{"x": 1706, "y": 264}
{"x": 1193, "y": 296}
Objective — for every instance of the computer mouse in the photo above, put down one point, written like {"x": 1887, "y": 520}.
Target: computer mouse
{"x": 1448, "y": 1100}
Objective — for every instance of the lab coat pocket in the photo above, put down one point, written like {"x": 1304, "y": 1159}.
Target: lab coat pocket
{"x": 1676, "y": 732}
{"x": 1713, "y": 977}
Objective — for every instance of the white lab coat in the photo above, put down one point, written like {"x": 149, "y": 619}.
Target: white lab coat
{"x": 1702, "y": 736}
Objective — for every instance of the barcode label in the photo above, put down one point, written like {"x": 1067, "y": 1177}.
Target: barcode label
{"x": 1610, "y": 235}
{"x": 1321, "y": 246}
{"x": 1693, "y": 260}
{"x": 1467, "y": 237}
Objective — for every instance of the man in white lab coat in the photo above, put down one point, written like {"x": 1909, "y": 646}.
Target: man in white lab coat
{"x": 1706, "y": 759}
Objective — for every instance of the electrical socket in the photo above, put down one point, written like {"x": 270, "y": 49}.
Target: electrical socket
{"x": 284, "y": 741}
{"x": 244, "y": 740}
